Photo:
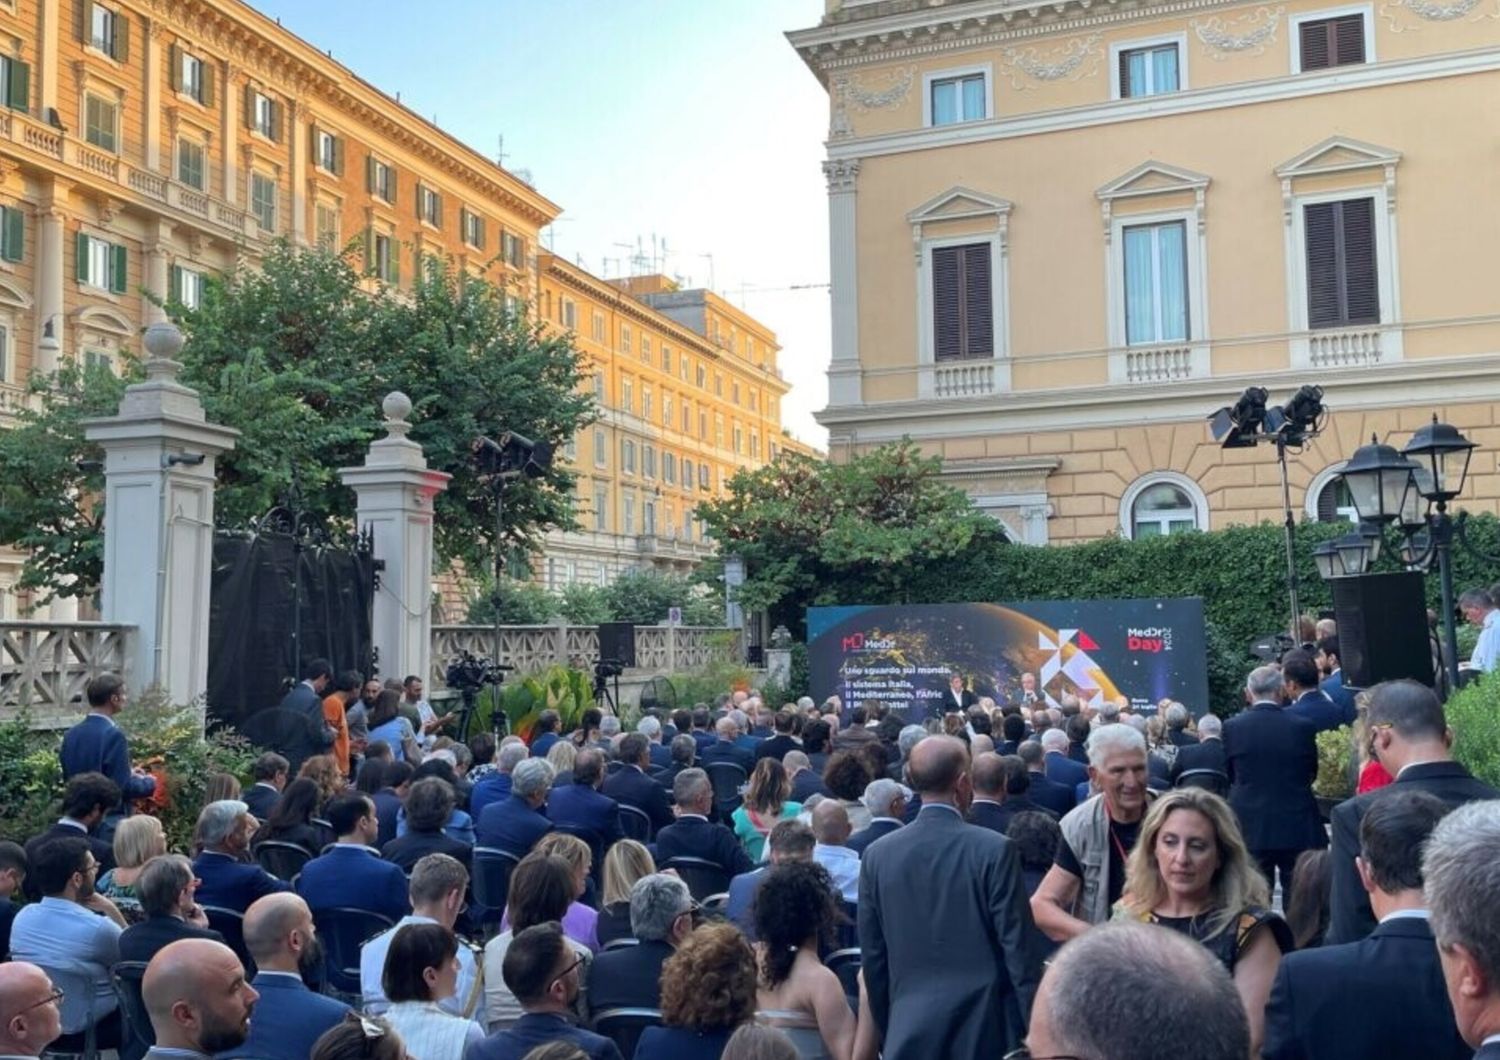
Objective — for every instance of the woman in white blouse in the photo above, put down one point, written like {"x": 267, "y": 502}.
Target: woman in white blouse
{"x": 421, "y": 970}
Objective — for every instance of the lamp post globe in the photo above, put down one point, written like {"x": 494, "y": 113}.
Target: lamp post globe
{"x": 1444, "y": 452}
{"x": 1379, "y": 479}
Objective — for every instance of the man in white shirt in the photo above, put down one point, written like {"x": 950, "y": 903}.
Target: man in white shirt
{"x": 830, "y": 825}
{"x": 438, "y": 883}
{"x": 1479, "y": 610}
{"x": 432, "y": 722}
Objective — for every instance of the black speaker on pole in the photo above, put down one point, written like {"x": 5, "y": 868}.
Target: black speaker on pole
{"x": 1382, "y": 623}
{"x": 617, "y": 642}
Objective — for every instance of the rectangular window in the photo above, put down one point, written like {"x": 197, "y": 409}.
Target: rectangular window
{"x": 15, "y": 84}
{"x": 687, "y": 525}
{"x": 624, "y": 338}
{"x": 702, "y": 424}
{"x": 380, "y": 180}
{"x": 263, "y": 201}
{"x": 599, "y": 386}
{"x": 598, "y": 328}
{"x": 262, "y": 114}
{"x": 666, "y": 358}
{"x": 1156, "y": 283}
{"x": 1148, "y": 71}
{"x": 666, "y": 410}
{"x": 629, "y": 519}
{"x": 956, "y": 99}
{"x": 512, "y": 249}
{"x": 109, "y": 32}
{"x": 648, "y": 460}
{"x": 101, "y": 122}
{"x": 669, "y": 468}
{"x": 429, "y": 206}
{"x": 328, "y": 152}
{"x": 12, "y": 234}
{"x": 687, "y": 417}
{"x": 601, "y": 507}
{"x": 101, "y": 264}
{"x": 687, "y": 473}
{"x": 755, "y": 444}
{"x": 187, "y": 286}
{"x": 650, "y": 521}
{"x": 739, "y": 438}
{"x": 627, "y": 395}
{"x": 190, "y": 164}
{"x": 627, "y": 456}
{"x": 703, "y": 476}
{"x": 601, "y": 448}
{"x": 99, "y": 359}
{"x": 718, "y": 385}
{"x": 190, "y": 75}
{"x": 963, "y": 315}
{"x": 647, "y": 408}
{"x": 383, "y": 258}
{"x": 682, "y": 368}
{"x": 326, "y": 222}
{"x": 754, "y": 400}
{"x": 569, "y": 313}
{"x": 1326, "y": 42}
{"x": 1342, "y": 274}
{"x": 702, "y": 377}
{"x": 734, "y": 392}
{"x": 473, "y": 231}
{"x": 719, "y": 430}
{"x": 646, "y": 349}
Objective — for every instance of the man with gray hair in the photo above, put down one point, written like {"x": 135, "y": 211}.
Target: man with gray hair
{"x": 805, "y": 780}
{"x": 1479, "y": 610}
{"x": 515, "y": 824}
{"x": 726, "y": 747}
{"x": 661, "y": 916}
{"x": 494, "y": 786}
{"x": 1059, "y": 767}
{"x": 1201, "y": 764}
{"x": 684, "y": 751}
{"x": 650, "y": 727}
{"x": 693, "y": 835}
{"x": 166, "y": 888}
{"x": 1271, "y": 759}
{"x": 1461, "y": 872}
{"x": 224, "y": 828}
{"x": 1088, "y": 875}
{"x": 1130, "y": 991}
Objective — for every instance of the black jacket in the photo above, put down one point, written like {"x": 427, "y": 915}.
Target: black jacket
{"x": 140, "y": 942}
{"x": 694, "y": 837}
{"x": 631, "y": 787}
{"x": 261, "y": 800}
{"x": 777, "y": 746}
{"x": 103, "y": 852}
{"x": 1272, "y": 759}
{"x": 865, "y": 836}
{"x": 411, "y": 848}
{"x": 1350, "y": 918}
{"x": 628, "y": 977}
{"x": 1206, "y": 754}
{"x": 1049, "y": 794}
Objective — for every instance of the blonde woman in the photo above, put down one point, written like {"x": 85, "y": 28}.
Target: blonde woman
{"x": 561, "y": 756}
{"x": 138, "y": 839}
{"x": 626, "y": 862}
{"x": 1191, "y": 872}
{"x": 579, "y": 922}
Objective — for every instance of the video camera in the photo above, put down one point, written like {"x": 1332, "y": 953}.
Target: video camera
{"x": 608, "y": 668}
{"x": 469, "y": 672}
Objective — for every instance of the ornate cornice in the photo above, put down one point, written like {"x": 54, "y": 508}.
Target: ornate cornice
{"x": 842, "y": 174}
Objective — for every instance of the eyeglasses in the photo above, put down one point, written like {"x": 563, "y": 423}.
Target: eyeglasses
{"x": 55, "y": 996}
{"x": 564, "y": 973}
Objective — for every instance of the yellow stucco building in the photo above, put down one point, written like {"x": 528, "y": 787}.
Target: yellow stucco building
{"x": 1062, "y": 235}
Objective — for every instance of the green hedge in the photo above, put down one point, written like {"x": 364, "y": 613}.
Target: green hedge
{"x": 1473, "y": 713}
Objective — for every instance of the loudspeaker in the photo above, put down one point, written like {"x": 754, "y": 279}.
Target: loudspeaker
{"x": 1382, "y": 628}
{"x": 617, "y": 642}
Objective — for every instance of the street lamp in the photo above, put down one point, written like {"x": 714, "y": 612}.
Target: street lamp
{"x": 1445, "y": 452}
{"x": 1379, "y": 479}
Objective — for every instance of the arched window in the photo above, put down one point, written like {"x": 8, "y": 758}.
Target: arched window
{"x": 1328, "y": 499}
{"x": 1162, "y": 503}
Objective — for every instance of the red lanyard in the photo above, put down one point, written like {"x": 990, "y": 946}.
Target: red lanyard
{"x": 1109, "y": 822}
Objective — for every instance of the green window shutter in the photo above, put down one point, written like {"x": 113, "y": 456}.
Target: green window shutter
{"x": 174, "y": 58}
{"x": 249, "y": 107}
{"x": 369, "y": 250}
{"x": 13, "y": 239}
{"x": 81, "y": 258}
{"x": 338, "y": 156}
{"x": 174, "y": 288}
{"x": 85, "y": 19}
{"x": 394, "y": 185}
{"x": 370, "y": 174}
{"x": 20, "y": 86}
{"x": 208, "y": 84}
{"x": 121, "y": 43}
{"x": 437, "y": 202}
{"x": 117, "y": 268}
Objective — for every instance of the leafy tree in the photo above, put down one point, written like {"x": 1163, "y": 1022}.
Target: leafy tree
{"x": 521, "y": 604}
{"x": 644, "y": 597}
{"x": 583, "y": 605}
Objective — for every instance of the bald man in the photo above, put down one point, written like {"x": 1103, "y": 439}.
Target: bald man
{"x": 199, "y": 1001}
{"x": 289, "y": 1018}
{"x": 30, "y": 1013}
{"x": 953, "y": 963}
{"x": 831, "y": 829}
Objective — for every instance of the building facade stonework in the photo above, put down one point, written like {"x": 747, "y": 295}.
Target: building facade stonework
{"x": 1062, "y": 235}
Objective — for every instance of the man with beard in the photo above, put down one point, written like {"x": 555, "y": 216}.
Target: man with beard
{"x": 199, "y": 1001}
{"x": 280, "y": 936}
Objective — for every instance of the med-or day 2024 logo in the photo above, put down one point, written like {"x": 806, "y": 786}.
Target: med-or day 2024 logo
{"x": 1152, "y": 640}
{"x": 859, "y": 642}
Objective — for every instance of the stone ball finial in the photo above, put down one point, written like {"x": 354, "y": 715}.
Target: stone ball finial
{"x": 396, "y": 406}
{"x": 163, "y": 341}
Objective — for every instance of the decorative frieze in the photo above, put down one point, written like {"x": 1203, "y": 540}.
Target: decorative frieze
{"x": 1246, "y": 34}
{"x": 1070, "y": 61}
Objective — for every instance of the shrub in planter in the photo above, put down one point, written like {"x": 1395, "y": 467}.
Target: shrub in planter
{"x": 1335, "y": 757}
{"x": 1473, "y": 714}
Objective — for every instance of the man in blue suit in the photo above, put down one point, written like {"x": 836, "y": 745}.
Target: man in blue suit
{"x": 581, "y": 807}
{"x": 1383, "y": 995}
{"x": 693, "y": 835}
{"x": 224, "y": 880}
{"x": 790, "y": 840}
{"x": 725, "y": 749}
{"x": 650, "y": 728}
{"x": 1307, "y": 700}
{"x": 630, "y": 786}
{"x": 96, "y": 744}
{"x": 517, "y": 823}
{"x": 352, "y": 872}
{"x": 547, "y": 723}
{"x": 495, "y": 785}
{"x": 289, "y": 1018}
{"x": 1060, "y": 768}
{"x": 1333, "y": 679}
{"x": 1047, "y": 793}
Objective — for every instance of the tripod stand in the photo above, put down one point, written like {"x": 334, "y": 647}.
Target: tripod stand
{"x": 602, "y": 672}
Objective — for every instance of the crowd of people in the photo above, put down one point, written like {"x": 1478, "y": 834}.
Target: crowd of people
{"x": 1044, "y": 877}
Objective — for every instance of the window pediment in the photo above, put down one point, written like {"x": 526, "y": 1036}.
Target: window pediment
{"x": 12, "y": 297}
{"x": 1338, "y": 154}
{"x": 960, "y": 204}
{"x": 103, "y": 320}
{"x": 1152, "y": 178}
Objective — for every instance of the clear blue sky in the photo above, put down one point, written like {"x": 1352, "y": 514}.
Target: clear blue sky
{"x": 692, "y": 120}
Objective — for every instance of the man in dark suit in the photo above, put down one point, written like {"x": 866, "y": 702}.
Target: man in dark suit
{"x": 886, "y": 801}
{"x": 1013, "y": 733}
{"x": 790, "y": 840}
{"x": 630, "y": 786}
{"x": 1206, "y": 754}
{"x": 783, "y": 741}
{"x": 1271, "y": 757}
{"x": 1077, "y": 728}
{"x": 96, "y": 744}
{"x": 270, "y": 772}
{"x": 87, "y": 798}
{"x": 1177, "y": 717}
{"x": 352, "y": 872}
{"x": 289, "y": 1018}
{"x": 494, "y": 786}
{"x": 693, "y": 835}
{"x": 1002, "y": 790}
{"x": 1332, "y": 673}
{"x": 1383, "y": 995}
{"x": 974, "y": 992}
{"x": 661, "y": 916}
{"x": 957, "y": 699}
{"x": 1458, "y": 870}
{"x": 428, "y": 808}
{"x": 1060, "y": 767}
{"x": 651, "y": 728}
{"x": 1409, "y": 735}
{"x": 1043, "y": 790}
{"x": 806, "y": 781}
{"x": 517, "y": 823}
{"x": 304, "y": 702}
{"x": 225, "y": 880}
{"x": 13, "y": 865}
{"x": 581, "y": 807}
{"x": 1307, "y": 700}
{"x": 724, "y": 749}
{"x": 166, "y": 887}
{"x": 390, "y": 799}
{"x": 702, "y": 731}
{"x": 547, "y": 724}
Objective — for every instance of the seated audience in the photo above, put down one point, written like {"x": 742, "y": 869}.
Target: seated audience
{"x": 725, "y": 749}
{"x": 587, "y": 733}
{"x": 138, "y": 839}
{"x": 459, "y": 826}
{"x": 1461, "y": 873}
{"x": 12, "y": 877}
{"x": 626, "y": 862}
{"x": 661, "y": 916}
{"x": 224, "y": 879}
{"x": 166, "y": 888}
{"x": 817, "y": 735}
{"x": 221, "y": 786}
{"x": 482, "y": 751}
{"x": 545, "y": 734}
{"x": 1191, "y": 872}
{"x": 1383, "y": 995}
{"x": 495, "y": 786}
{"x": 581, "y": 923}
{"x": 73, "y": 929}
{"x": 437, "y": 891}
{"x": 692, "y": 835}
{"x": 30, "y": 1010}
{"x": 754, "y": 1042}
{"x": 684, "y": 753}
{"x": 360, "y": 1038}
{"x": 830, "y": 825}
{"x": 632, "y": 786}
{"x": 707, "y": 990}
{"x": 515, "y": 824}
{"x": 1307, "y": 906}
{"x": 848, "y": 775}
{"x": 387, "y": 726}
{"x": 782, "y": 741}
{"x": 790, "y": 840}
{"x": 656, "y": 752}
{"x": 289, "y": 1018}
{"x": 429, "y": 805}
{"x": 87, "y": 798}
{"x": 323, "y": 770}
{"x": 1131, "y": 991}
{"x": 796, "y": 912}
{"x": 393, "y": 786}
{"x": 292, "y": 819}
{"x": 199, "y": 1002}
{"x": 541, "y": 890}
{"x": 562, "y": 756}
{"x": 352, "y": 872}
{"x": 767, "y": 800}
{"x": 421, "y": 971}
{"x": 543, "y": 971}
{"x": 886, "y": 801}
{"x": 806, "y": 781}
{"x": 581, "y": 808}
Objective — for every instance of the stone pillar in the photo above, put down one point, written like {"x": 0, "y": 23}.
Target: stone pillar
{"x": 159, "y": 456}
{"x": 158, "y": 273}
{"x": 151, "y": 42}
{"x": 50, "y": 19}
{"x": 843, "y": 367}
{"x": 49, "y": 277}
{"x": 231, "y": 109}
{"x": 297, "y": 148}
{"x": 395, "y": 489}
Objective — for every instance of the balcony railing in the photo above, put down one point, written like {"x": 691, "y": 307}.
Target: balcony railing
{"x": 963, "y": 379}
{"x": 1344, "y": 348}
{"x": 45, "y": 666}
{"x": 1161, "y": 364}
{"x": 531, "y": 649}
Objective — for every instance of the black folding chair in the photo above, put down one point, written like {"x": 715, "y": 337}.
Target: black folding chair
{"x": 344, "y": 930}
{"x": 715, "y": 904}
{"x": 846, "y": 965}
{"x": 231, "y": 924}
{"x": 704, "y": 878}
{"x": 281, "y": 859}
{"x": 727, "y": 779}
{"x": 492, "y": 869}
{"x": 623, "y": 1026}
{"x": 635, "y": 823}
{"x": 137, "y": 1033}
{"x": 1213, "y": 780}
